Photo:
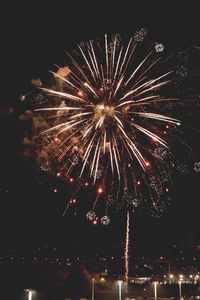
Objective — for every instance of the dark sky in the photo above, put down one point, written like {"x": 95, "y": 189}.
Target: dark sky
{"x": 33, "y": 37}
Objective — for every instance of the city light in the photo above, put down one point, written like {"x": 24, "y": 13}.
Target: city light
{"x": 120, "y": 289}
{"x": 102, "y": 279}
{"x": 30, "y": 293}
{"x": 180, "y": 291}
{"x": 155, "y": 289}
{"x": 93, "y": 282}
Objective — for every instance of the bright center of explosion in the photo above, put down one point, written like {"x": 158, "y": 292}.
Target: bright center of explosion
{"x": 104, "y": 110}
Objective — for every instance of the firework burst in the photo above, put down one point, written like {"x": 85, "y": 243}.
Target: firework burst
{"x": 111, "y": 122}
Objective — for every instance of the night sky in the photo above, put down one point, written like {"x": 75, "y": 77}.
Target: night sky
{"x": 32, "y": 39}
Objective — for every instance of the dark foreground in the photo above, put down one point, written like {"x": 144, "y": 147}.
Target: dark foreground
{"x": 49, "y": 283}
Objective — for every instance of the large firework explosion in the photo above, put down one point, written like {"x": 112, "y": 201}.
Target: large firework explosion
{"x": 109, "y": 122}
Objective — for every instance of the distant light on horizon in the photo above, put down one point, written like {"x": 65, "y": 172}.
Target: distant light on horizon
{"x": 30, "y": 295}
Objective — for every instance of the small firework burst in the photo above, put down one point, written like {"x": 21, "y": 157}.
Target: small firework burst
{"x": 136, "y": 202}
{"x": 110, "y": 199}
{"x": 127, "y": 199}
{"x": 197, "y": 166}
{"x": 75, "y": 159}
{"x": 97, "y": 174}
{"x": 159, "y": 208}
{"x": 139, "y": 36}
{"x": 159, "y": 47}
{"x": 91, "y": 215}
{"x": 181, "y": 72}
{"x": 40, "y": 99}
{"x": 160, "y": 153}
{"x": 183, "y": 169}
{"x": 105, "y": 220}
{"x": 44, "y": 167}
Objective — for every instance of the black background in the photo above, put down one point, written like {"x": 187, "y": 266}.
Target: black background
{"x": 33, "y": 37}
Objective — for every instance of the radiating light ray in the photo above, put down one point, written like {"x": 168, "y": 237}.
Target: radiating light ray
{"x": 80, "y": 115}
{"x": 117, "y": 65}
{"x": 55, "y": 127}
{"x": 118, "y": 85}
{"x": 134, "y": 149}
{"x": 151, "y": 134}
{"x": 86, "y": 155}
{"x": 93, "y": 64}
{"x": 66, "y": 150}
{"x": 87, "y": 62}
{"x": 139, "y": 66}
{"x": 95, "y": 60}
{"x": 87, "y": 131}
{"x": 91, "y": 89}
{"x": 154, "y": 87}
{"x": 125, "y": 55}
{"x": 111, "y": 157}
{"x": 118, "y": 121}
{"x": 63, "y": 95}
{"x": 64, "y": 79}
{"x": 116, "y": 162}
{"x": 154, "y": 100}
{"x": 99, "y": 122}
{"x": 70, "y": 126}
{"x": 141, "y": 77}
{"x": 146, "y": 84}
{"x": 104, "y": 143}
{"x": 157, "y": 117}
{"x": 97, "y": 165}
{"x": 106, "y": 52}
{"x": 79, "y": 68}
{"x": 113, "y": 53}
{"x": 133, "y": 102}
{"x": 68, "y": 138}
{"x": 59, "y": 108}
{"x": 94, "y": 157}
